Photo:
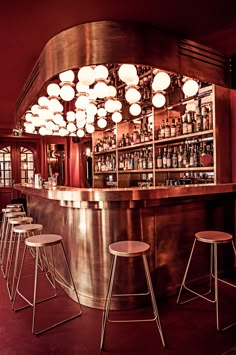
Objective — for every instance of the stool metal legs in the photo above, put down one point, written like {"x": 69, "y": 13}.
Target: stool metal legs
{"x": 214, "y": 275}
{"x": 109, "y": 296}
{"x": 35, "y": 302}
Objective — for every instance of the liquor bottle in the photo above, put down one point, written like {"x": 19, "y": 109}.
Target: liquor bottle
{"x": 121, "y": 162}
{"x": 198, "y": 126}
{"x": 164, "y": 158}
{"x": 184, "y": 125}
{"x": 168, "y": 158}
{"x": 191, "y": 156}
{"x": 167, "y": 129}
{"x": 180, "y": 157}
{"x": 135, "y": 161}
{"x": 135, "y": 135}
{"x": 173, "y": 128}
{"x": 150, "y": 160}
{"x": 174, "y": 159}
{"x": 145, "y": 159}
{"x": 205, "y": 118}
{"x": 127, "y": 139}
{"x": 189, "y": 123}
{"x": 122, "y": 141}
{"x": 162, "y": 128}
{"x": 131, "y": 161}
{"x": 178, "y": 127}
{"x": 142, "y": 135}
{"x": 159, "y": 159}
{"x": 99, "y": 164}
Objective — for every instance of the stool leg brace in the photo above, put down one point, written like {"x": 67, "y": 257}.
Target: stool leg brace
{"x": 213, "y": 262}
{"x": 109, "y": 296}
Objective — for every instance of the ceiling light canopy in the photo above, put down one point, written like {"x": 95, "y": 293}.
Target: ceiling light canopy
{"x": 79, "y": 101}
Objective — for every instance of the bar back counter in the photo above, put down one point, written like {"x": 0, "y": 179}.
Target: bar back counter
{"x": 164, "y": 217}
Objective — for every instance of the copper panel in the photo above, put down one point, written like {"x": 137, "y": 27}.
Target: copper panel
{"x": 167, "y": 224}
{"x": 106, "y": 42}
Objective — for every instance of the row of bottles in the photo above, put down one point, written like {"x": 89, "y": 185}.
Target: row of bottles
{"x": 105, "y": 143}
{"x": 138, "y": 160}
{"x": 105, "y": 163}
{"x": 184, "y": 155}
{"x": 189, "y": 122}
{"x": 144, "y": 134}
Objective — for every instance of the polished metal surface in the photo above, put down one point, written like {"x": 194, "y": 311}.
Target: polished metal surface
{"x": 89, "y": 220}
{"x": 106, "y": 42}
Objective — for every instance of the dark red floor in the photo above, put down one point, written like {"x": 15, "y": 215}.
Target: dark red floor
{"x": 189, "y": 329}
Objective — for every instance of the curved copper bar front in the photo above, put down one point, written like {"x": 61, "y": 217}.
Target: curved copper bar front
{"x": 89, "y": 220}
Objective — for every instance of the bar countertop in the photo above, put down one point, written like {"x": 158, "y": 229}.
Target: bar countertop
{"x": 72, "y": 194}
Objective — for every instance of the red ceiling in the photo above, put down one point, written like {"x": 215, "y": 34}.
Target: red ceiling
{"x": 26, "y": 26}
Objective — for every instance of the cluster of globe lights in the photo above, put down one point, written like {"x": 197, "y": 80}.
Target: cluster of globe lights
{"x": 47, "y": 116}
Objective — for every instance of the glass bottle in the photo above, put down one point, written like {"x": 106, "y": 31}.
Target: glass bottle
{"x": 167, "y": 129}
{"x": 173, "y": 128}
{"x": 159, "y": 159}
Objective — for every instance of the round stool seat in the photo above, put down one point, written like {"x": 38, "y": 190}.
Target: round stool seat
{"x": 213, "y": 237}
{"x": 43, "y": 240}
{"x": 24, "y": 228}
{"x": 20, "y": 220}
{"x": 14, "y": 214}
{"x": 15, "y": 205}
{"x": 11, "y": 209}
{"x": 128, "y": 248}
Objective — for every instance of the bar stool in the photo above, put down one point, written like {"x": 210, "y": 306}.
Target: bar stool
{"x": 16, "y": 205}
{"x": 3, "y": 222}
{"x": 5, "y": 236}
{"x": 213, "y": 238}
{"x": 37, "y": 242}
{"x": 20, "y": 232}
{"x": 129, "y": 249}
{"x": 14, "y": 222}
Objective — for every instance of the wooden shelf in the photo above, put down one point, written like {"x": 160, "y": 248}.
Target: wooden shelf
{"x": 198, "y": 168}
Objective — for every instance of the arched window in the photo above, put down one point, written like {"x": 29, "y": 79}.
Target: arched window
{"x": 5, "y": 167}
{"x": 26, "y": 165}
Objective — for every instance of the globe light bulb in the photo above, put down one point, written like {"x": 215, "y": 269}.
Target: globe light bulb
{"x": 101, "y": 72}
{"x": 190, "y": 87}
{"x": 67, "y": 92}
{"x": 116, "y": 117}
{"x": 161, "y": 81}
{"x": 135, "y": 109}
{"x": 158, "y": 100}
{"x": 110, "y": 105}
{"x": 132, "y": 95}
{"x": 82, "y": 102}
{"x": 111, "y": 91}
{"x": 80, "y": 133}
{"x": 43, "y": 101}
{"x": 101, "y": 112}
{"x": 67, "y": 76}
{"x": 100, "y": 89}
{"x": 53, "y": 89}
{"x": 127, "y": 73}
{"x": 86, "y": 75}
{"x": 89, "y": 128}
{"x": 102, "y": 123}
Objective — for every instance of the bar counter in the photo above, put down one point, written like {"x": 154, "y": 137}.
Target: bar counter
{"x": 165, "y": 217}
